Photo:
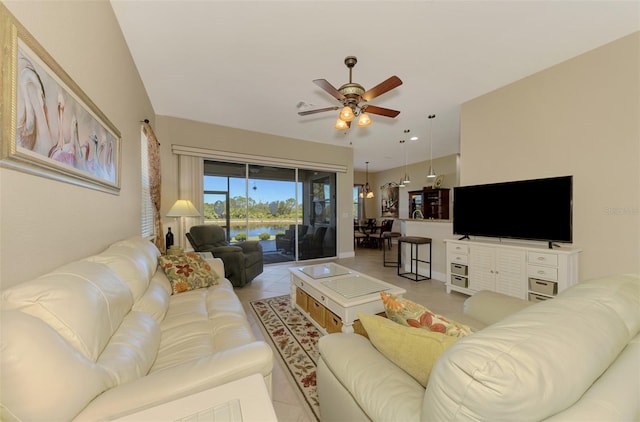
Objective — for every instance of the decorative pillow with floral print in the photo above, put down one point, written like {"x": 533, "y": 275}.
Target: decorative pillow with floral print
{"x": 187, "y": 272}
{"x": 405, "y": 312}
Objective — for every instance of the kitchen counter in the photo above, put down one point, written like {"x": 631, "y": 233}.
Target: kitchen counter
{"x": 419, "y": 220}
{"x": 437, "y": 230}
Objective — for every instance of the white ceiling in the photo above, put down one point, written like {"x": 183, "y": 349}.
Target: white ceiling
{"x": 248, "y": 64}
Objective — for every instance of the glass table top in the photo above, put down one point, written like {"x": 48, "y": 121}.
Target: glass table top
{"x": 324, "y": 270}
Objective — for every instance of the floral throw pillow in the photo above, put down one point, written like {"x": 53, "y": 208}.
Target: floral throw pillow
{"x": 187, "y": 272}
{"x": 405, "y": 312}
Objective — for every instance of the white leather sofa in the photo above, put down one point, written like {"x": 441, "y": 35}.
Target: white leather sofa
{"x": 103, "y": 337}
{"x": 573, "y": 358}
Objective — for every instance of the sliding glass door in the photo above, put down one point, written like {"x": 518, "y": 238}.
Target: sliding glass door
{"x": 290, "y": 211}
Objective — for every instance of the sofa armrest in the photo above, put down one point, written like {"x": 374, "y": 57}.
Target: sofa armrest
{"x": 217, "y": 265}
{"x": 180, "y": 381}
{"x": 490, "y": 307}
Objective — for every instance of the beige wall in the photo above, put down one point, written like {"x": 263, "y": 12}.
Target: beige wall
{"x": 578, "y": 118}
{"x": 446, "y": 166}
{"x": 46, "y": 223}
{"x": 221, "y": 138}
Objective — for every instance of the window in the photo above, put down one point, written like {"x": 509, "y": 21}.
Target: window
{"x": 358, "y": 203}
{"x": 146, "y": 223}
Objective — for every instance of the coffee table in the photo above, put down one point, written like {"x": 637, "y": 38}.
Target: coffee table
{"x": 327, "y": 292}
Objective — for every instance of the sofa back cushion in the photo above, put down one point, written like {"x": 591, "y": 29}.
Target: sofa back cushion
{"x": 539, "y": 361}
{"x": 155, "y": 301}
{"x": 84, "y": 301}
{"x": 43, "y": 377}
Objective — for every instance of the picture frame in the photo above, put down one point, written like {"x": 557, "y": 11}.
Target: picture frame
{"x": 389, "y": 201}
{"x": 50, "y": 127}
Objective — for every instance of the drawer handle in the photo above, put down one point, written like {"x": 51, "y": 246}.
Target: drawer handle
{"x": 541, "y": 283}
{"x": 540, "y": 272}
{"x": 541, "y": 258}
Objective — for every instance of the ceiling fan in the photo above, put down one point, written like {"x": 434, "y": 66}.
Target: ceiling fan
{"x": 355, "y": 100}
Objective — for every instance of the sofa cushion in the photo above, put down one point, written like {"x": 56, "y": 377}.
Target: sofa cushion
{"x": 132, "y": 349}
{"x": 187, "y": 272}
{"x": 132, "y": 267}
{"x": 202, "y": 322}
{"x": 143, "y": 247}
{"x": 412, "y": 349}
{"x": 155, "y": 301}
{"x": 411, "y": 314}
{"x": 85, "y": 302}
{"x": 552, "y": 351}
{"x": 43, "y": 377}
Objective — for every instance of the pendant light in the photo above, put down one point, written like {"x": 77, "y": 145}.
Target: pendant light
{"x": 401, "y": 184}
{"x": 432, "y": 173}
{"x": 404, "y": 180}
{"x": 367, "y": 191}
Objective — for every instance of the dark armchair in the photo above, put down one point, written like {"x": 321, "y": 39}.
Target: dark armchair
{"x": 312, "y": 244}
{"x": 242, "y": 261}
{"x": 285, "y": 242}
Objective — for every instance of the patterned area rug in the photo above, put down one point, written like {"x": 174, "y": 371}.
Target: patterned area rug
{"x": 296, "y": 340}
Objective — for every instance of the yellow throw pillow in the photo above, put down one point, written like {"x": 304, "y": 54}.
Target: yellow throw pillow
{"x": 412, "y": 349}
{"x": 405, "y": 312}
{"x": 187, "y": 272}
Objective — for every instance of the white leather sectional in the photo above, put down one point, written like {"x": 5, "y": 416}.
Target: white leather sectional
{"x": 103, "y": 337}
{"x": 572, "y": 358}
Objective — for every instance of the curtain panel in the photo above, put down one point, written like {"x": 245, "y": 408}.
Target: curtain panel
{"x": 155, "y": 183}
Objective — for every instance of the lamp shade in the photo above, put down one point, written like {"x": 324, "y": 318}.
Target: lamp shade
{"x": 347, "y": 114}
{"x": 183, "y": 208}
{"x": 341, "y": 124}
{"x": 364, "y": 120}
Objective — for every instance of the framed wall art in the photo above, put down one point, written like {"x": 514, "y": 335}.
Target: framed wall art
{"x": 389, "y": 201}
{"x": 50, "y": 127}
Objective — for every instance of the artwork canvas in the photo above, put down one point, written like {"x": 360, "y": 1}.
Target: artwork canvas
{"x": 50, "y": 127}
{"x": 389, "y": 201}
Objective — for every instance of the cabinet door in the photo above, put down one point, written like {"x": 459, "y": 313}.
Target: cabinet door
{"x": 481, "y": 268}
{"x": 511, "y": 272}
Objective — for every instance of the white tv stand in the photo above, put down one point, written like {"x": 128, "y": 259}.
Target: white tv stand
{"x": 526, "y": 271}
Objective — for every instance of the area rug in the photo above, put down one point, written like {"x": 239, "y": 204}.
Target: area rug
{"x": 296, "y": 340}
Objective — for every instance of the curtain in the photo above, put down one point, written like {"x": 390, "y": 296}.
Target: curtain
{"x": 191, "y": 187}
{"x": 153, "y": 148}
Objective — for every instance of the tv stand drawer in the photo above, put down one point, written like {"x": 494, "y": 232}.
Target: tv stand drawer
{"x": 545, "y": 273}
{"x": 542, "y": 258}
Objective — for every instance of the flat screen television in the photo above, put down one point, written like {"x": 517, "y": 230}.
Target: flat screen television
{"x": 539, "y": 209}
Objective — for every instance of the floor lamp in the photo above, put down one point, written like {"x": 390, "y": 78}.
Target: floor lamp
{"x": 183, "y": 208}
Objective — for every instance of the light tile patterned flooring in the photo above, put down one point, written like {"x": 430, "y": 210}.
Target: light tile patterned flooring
{"x": 274, "y": 281}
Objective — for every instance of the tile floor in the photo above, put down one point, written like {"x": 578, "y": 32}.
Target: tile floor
{"x": 274, "y": 281}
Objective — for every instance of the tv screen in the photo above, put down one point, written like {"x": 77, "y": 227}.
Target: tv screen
{"x": 539, "y": 209}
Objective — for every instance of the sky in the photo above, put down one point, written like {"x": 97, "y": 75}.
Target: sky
{"x": 259, "y": 190}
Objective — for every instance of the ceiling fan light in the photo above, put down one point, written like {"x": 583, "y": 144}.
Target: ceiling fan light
{"x": 347, "y": 114}
{"x": 364, "y": 120}
{"x": 341, "y": 125}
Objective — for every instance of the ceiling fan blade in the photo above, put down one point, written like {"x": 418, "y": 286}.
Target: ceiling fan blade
{"x": 381, "y": 111}
{"x": 324, "y": 84}
{"x": 318, "y": 110}
{"x": 381, "y": 88}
